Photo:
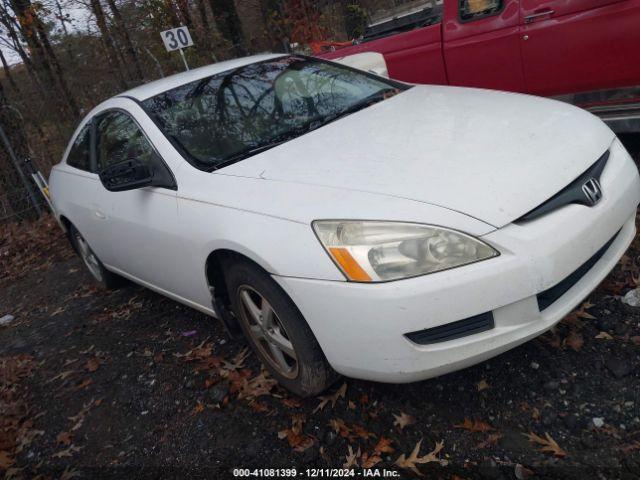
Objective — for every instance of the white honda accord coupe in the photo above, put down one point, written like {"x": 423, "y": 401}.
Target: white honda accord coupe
{"x": 346, "y": 223}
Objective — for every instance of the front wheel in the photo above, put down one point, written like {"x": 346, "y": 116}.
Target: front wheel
{"x": 277, "y": 332}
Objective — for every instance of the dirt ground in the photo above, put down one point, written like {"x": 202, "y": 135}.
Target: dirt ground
{"x": 130, "y": 384}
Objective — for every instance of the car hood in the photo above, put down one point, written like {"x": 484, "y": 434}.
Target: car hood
{"x": 491, "y": 155}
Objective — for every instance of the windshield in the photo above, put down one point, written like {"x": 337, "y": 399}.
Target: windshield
{"x": 229, "y": 116}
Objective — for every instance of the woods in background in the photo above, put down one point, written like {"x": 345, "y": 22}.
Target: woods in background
{"x": 60, "y": 58}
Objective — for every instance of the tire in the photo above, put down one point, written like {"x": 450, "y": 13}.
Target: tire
{"x": 303, "y": 369}
{"x": 91, "y": 261}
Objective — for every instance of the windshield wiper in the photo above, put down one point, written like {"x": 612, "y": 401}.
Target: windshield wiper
{"x": 273, "y": 142}
{"x": 368, "y": 101}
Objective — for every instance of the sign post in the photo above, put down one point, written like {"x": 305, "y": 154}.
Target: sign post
{"x": 177, "y": 39}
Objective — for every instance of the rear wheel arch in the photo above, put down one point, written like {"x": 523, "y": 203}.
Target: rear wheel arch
{"x": 67, "y": 226}
{"x": 65, "y": 222}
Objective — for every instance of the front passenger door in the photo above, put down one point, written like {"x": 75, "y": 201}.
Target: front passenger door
{"x": 571, "y": 46}
{"x": 138, "y": 235}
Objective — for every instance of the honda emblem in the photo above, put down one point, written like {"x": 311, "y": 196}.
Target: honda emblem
{"x": 592, "y": 191}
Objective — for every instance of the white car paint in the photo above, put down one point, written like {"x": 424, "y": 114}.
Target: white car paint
{"x": 372, "y": 62}
{"x": 467, "y": 159}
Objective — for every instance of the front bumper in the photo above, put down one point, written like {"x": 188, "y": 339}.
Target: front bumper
{"x": 361, "y": 327}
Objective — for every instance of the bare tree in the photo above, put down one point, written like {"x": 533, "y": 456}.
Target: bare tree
{"x": 124, "y": 34}
{"x": 107, "y": 41}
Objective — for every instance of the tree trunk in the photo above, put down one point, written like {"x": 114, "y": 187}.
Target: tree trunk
{"x": 124, "y": 33}
{"x": 183, "y": 8}
{"x": 202, "y": 9}
{"x": 7, "y": 72}
{"x": 224, "y": 11}
{"x": 170, "y": 10}
{"x": 112, "y": 54}
{"x": 35, "y": 35}
{"x": 71, "y": 103}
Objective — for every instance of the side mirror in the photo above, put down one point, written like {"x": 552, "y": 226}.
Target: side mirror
{"x": 127, "y": 175}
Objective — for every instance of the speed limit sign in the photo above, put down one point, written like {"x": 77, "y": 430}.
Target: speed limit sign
{"x": 176, "y": 38}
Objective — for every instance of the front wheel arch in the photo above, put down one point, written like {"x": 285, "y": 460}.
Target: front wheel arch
{"x": 220, "y": 298}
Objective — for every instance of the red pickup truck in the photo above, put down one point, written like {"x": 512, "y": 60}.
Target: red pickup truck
{"x": 586, "y": 52}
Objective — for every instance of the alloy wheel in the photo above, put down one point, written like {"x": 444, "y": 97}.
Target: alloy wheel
{"x": 267, "y": 331}
{"x": 89, "y": 258}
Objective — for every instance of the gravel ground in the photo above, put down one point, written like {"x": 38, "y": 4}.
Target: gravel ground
{"x": 128, "y": 383}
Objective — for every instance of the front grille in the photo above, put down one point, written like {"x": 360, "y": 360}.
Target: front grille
{"x": 548, "y": 297}
{"x": 451, "y": 331}
{"x": 572, "y": 193}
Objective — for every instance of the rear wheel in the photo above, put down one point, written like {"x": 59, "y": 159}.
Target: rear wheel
{"x": 92, "y": 262}
{"x": 276, "y": 330}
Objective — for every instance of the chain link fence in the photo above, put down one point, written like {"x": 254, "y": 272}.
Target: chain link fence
{"x": 23, "y": 189}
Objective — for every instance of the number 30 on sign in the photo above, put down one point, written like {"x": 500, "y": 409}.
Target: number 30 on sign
{"x": 176, "y": 38}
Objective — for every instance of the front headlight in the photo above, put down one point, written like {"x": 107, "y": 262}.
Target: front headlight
{"x": 372, "y": 251}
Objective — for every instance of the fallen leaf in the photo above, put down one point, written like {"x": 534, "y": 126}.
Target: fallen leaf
{"x": 548, "y": 444}
{"x": 631, "y": 447}
{"x": 78, "y": 419}
{"x": 521, "y": 472}
{"x": 403, "y": 420}
{"x": 383, "y": 446}
{"x": 92, "y": 364}
{"x": 295, "y": 436}
{"x": 62, "y": 376}
{"x": 199, "y": 408}
{"x": 340, "y": 427}
{"x": 352, "y": 458}
{"x": 291, "y": 402}
{"x": 64, "y": 438}
{"x": 535, "y": 413}
{"x": 67, "y": 452}
{"x": 259, "y": 407}
{"x": 604, "y": 336}
{"x": 324, "y": 400}
{"x": 84, "y": 384}
{"x": 414, "y": 459}
{"x": 69, "y": 474}
{"x": 574, "y": 341}
{"x": 257, "y": 386}
{"x": 5, "y": 460}
{"x": 474, "y": 425}
{"x": 238, "y": 361}
{"x": 482, "y": 385}
{"x": 362, "y": 432}
{"x": 582, "y": 311}
{"x": 369, "y": 461}
{"x": 492, "y": 439}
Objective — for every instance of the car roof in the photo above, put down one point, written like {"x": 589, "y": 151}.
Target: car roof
{"x": 151, "y": 89}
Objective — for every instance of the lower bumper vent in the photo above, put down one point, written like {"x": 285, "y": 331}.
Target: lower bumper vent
{"x": 548, "y": 297}
{"x": 451, "y": 331}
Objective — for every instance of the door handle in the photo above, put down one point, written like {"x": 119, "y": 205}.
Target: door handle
{"x": 99, "y": 214}
{"x": 547, "y": 12}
